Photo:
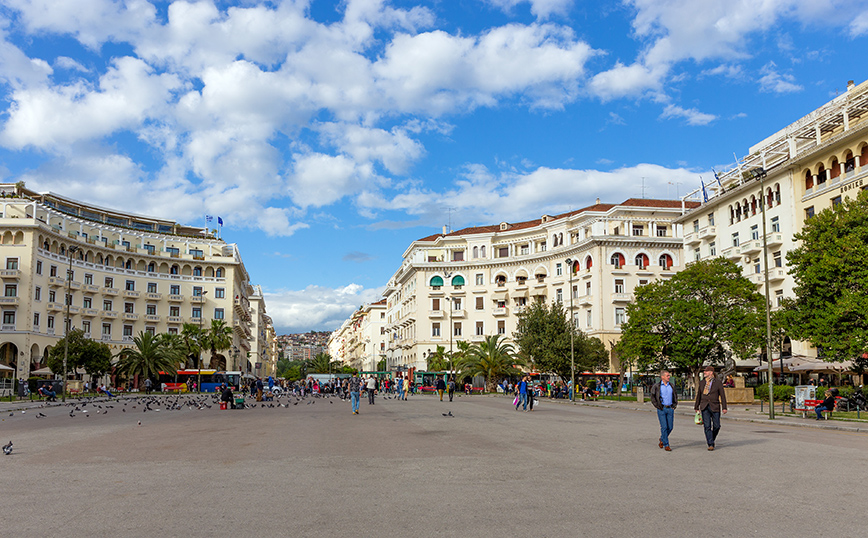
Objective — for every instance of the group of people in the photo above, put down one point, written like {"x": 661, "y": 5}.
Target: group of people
{"x": 709, "y": 403}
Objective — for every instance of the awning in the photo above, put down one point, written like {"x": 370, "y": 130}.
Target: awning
{"x": 436, "y": 281}
{"x": 4, "y": 367}
{"x": 458, "y": 280}
{"x": 823, "y": 366}
{"x": 538, "y": 292}
{"x": 42, "y": 371}
{"x": 500, "y": 296}
{"x": 517, "y": 294}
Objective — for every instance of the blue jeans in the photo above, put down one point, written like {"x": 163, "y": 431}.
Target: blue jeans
{"x": 522, "y": 400}
{"x": 819, "y": 409}
{"x": 711, "y": 423}
{"x": 354, "y": 399}
{"x": 666, "y": 417}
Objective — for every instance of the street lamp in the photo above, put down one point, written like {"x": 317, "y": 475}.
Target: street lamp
{"x": 572, "y": 328}
{"x": 759, "y": 173}
{"x": 201, "y": 315}
{"x": 69, "y": 252}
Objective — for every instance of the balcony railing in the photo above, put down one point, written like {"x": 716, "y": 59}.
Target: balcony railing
{"x": 10, "y": 273}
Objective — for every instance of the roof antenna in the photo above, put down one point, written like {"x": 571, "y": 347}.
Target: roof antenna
{"x": 643, "y": 188}
{"x": 449, "y": 211}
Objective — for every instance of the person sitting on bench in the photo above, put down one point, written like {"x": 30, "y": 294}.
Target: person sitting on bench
{"x": 227, "y": 397}
{"x": 50, "y": 395}
{"x": 827, "y": 405}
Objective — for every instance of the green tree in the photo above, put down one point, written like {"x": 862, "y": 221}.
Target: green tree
{"x": 94, "y": 357}
{"x": 190, "y": 344}
{"x": 216, "y": 338}
{"x": 149, "y": 356}
{"x": 543, "y": 334}
{"x": 695, "y": 318}
{"x": 492, "y": 358}
{"x": 322, "y": 364}
{"x": 381, "y": 365}
{"x": 830, "y": 269}
{"x": 438, "y": 360}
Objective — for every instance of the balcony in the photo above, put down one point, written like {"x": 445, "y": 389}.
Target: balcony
{"x": 774, "y": 239}
{"x": 692, "y": 238}
{"x": 89, "y": 312}
{"x": 732, "y": 253}
{"x": 176, "y": 298}
{"x": 9, "y": 301}
{"x": 108, "y": 314}
{"x": 175, "y": 319}
{"x": 435, "y": 313}
{"x": 196, "y": 320}
{"x": 751, "y": 247}
{"x": 10, "y": 273}
{"x": 518, "y": 309}
{"x": 106, "y": 338}
{"x": 7, "y": 327}
{"x": 157, "y": 296}
{"x": 54, "y": 307}
{"x": 777, "y": 274}
{"x": 152, "y": 317}
{"x": 622, "y": 297}
{"x": 49, "y": 330}
{"x": 500, "y": 311}
{"x": 110, "y": 291}
{"x": 585, "y": 300}
{"x": 73, "y": 285}
{"x": 86, "y": 335}
{"x": 197, "y": 299}
{"x": 708, "y": 232}
{"x": 131, "y": 294}
{"x": 74, "y": 309}
{"x": 459, "y": 313}
{"x": 56, "y": 281}
{"x": 91, "y": 288}
{"x": 128, "y": 338}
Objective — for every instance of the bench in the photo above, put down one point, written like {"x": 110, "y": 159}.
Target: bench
{"x": 175, "y": 387}
{"x": 812, "y": 404}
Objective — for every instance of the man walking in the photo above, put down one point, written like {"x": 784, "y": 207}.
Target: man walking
{"x": 355, "y": 385}
{"x": 440, "y": 385}
{"x": 451, "y": 387}
{"x": 663, "y": 398}
{"x": 372, "y": 387}
{"x": 522, "y": 394}
{"x": 710, "y": 400}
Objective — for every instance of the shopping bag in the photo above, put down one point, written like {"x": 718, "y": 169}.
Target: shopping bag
{"x": 698, "y": 418}
{"x": 515, "y": 402}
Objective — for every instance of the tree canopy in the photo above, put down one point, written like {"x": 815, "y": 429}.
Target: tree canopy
{"x": 492, "y": 358}
{"x": 149, "y": 356}
{"x": 830, "y": 269}
{"x": 94, "y": 357}
{"x": 438, "y": 360}
{"x": 703, "y": 312}
{"x": 543, "y": 335}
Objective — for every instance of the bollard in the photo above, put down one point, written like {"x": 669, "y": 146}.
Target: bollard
{"x": 761, "y": 406}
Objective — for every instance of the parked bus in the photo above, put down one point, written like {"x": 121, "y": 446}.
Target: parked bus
{"x": 210, "y": 380}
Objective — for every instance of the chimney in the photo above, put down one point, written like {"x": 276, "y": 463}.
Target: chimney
{"x": 445, "y": 230}
{"x": 850, "y": 85}
{"x": 598, "y": 201}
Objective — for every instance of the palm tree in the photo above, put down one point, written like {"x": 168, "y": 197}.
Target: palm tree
{"x": 148, "y": 357}
{"x": 492, "y": 359}
{"x": 217, "y": 338}
{"x": 438, "y": 361}
{"x": 321, "y": 364}
{"x": 191, "y": 343}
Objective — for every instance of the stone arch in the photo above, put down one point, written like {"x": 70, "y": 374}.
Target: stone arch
{"x": 186, "y": 270}
{"x": 197, "y": 270}
{"x": 217, "y": 362}
{"x": 19, "y": 238}
{"x": 175, "y": 270}
{"x": 541, "y": 271}
{"x": 209, "y": 272}
{"x": 9, "y": 355}
{"x": 54, "y": 247}
{"x": 141, "y": 266}
{"x": 119, "y": 261}
{"x": 482, "y": 251}
{"x": 835, "y": 167}
{"x": 7, "y": 238}
{"x": 164, "y": 268}
{"x": 219, "y": 272}
{"x": 521, "y": 272}
{"x": 500, "y": 276}
{"x": 35, "y": 358}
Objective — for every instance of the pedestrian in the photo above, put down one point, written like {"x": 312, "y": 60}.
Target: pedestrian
{"x": 148, "y": 385}
{"x": 406, "y": 387}
{"x": 440, "y": 385}
{"x": 355, "y": 385}
{"x": 451, "y": 387}
{"x": 522, "y": 394}
{"x": 710, "y": 400}
{"x": 372, "y": 387}
{"x": 664, "y": 399}
{"x": 259, "y": 387}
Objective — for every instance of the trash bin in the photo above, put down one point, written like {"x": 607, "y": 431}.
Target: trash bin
{"x": 223, "y": 406}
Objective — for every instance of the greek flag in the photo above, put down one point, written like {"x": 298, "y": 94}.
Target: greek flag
{"x": 208, "y": 218}
{"x": 704, "y": 193}
{"x": 220, "y": 221}
{"x": 717, "y": 177}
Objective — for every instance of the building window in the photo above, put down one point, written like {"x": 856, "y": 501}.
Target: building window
{"x": 779, "y": 261}
{"x": 109, "y": 282}
{"x": 524, "y": 249}
{"x": 619, "y": 285}
{"x": 665, "y": 261}
{"x": 174, "y": 311}
{"x": 107, "y": 329}
{"x": 88, "y": 279}
{"x": 735, "y": 239}
{"x": 712, "y": 249}
{"x": 696, "y": 254}
{"x": 38, "y": 268}
{"x": 52, "y": 271}
{"x": 661, "y": 231}
{"x": 559, "y": 295}
{"x": 641, "y": 260}
{"x": 479, "y": 329}
{"x": 501, "y": 327}
{"x": 197, "y": 252}
{"x": 559, "y": 269}
{"x": 836, "y": 201}
{"x": 711, "y": 219}
{"x": 779, "y": 298}
{"x": 588, "y": 318}
{"x": 638, "y": 229}
{"x": 129, "y": 308}
{"x": 643, "y": 281}
{"x": 435, "y": 304}
{"x": 107, "y": 305}
{"x": 588, "y": 289}
{"x": 503, "y": 252}
{"x": 175, "y": 289}
{"x": 87, "y": 302}
{"x": 809, "y": 212}
{"x": 754, "y": 232}
{"x": 11, "y": 290}
{"x": 696, "y": 226}
{"x": 218, "y": 313}
{"x": 151, "y": 309}
{"x": 756, "y": 265}
{"x": 617, "y": 260}
{"x": 620, "y": 316}
{"x": 151, "y": 330}
{"x": 776, "y": 224}
{"x": 435, "y": 329}
{"x": 197, "y": 271}
{"x": 152, "y": 287}
{"x": 456, "y": 303}
{"x": 458, "y": 255}
{"x": 36, "y": 319}
{"x": 130, "y": 285}
{"x": 480, "y": 303}
{"x": 219, "y": 293}
{"x": 197, "y": 291}
{"x": 85, "y": 327}
{"x": 128, "y": 330}
{"x": 456, "y": 328}
{"x": 197, "y": 312}
{"x": 11, "y": 264}
{"x": 174, "y": 270}
{"x": 480, "y": 279}
{"x": 49, "y": 322}
{"x": 37, "y": 294}
{"x": 219, "y": 272}
{"x": 52, "y": 296}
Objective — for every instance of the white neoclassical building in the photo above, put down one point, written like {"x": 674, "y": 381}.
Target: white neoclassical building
{"x": 361, "y": 340}
{"x": 810, "y": 165}
{"x": 467, "y": 284}
{"x": 130, "y": 273}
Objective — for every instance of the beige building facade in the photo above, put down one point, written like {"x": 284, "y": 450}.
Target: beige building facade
{"x": 471, "y": 283}
{"x": 129, "y": 274}
{"x": 810, "y": 165}
{"x": 361, "y": 340}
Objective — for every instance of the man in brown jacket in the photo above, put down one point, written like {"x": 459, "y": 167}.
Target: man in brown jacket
{"x": 710, "y": 399}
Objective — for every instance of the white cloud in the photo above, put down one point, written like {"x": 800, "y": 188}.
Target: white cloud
{"x": 774, "y": 82}
{"x": 859, "y": 24}
{"x": 691, "y": 115}
{"x": 17, "y": 69}
{"x": 626, "y": 80}
{"x": 65, "y": 62}
{"x": 320, "y": 179}
{"x": 542, "y": 9}
{"x": 317, "y": 307}
{"x": 394, "y": 149}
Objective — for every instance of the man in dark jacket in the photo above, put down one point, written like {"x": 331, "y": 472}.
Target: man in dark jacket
{"x": 710, "y": 400}
{"x": 664, "y": 399}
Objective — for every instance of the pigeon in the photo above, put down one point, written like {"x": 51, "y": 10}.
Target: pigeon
{"x": 140, "y": 423}
{"x": 40, "y": 415}
{"x": 7, "y": 448}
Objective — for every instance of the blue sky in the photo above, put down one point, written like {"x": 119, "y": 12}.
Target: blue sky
{"x": 329, "y": 135}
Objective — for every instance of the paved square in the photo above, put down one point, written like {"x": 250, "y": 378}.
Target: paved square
{"x": 402, "y": 468}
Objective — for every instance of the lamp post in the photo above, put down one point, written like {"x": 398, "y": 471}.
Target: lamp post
{"x": 572, "y": 328}
{"x": 760, "y": 174}
{"x": 451, "y": 329}
{"x": 69, "y": 252}
{"x": 201, "y": 315}
{"x": 235, "y": 363}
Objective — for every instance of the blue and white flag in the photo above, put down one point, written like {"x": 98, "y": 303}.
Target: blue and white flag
{"x": 704, "y": 193}
{"x": 220, "y": 221}
{"x": 717, "y": 177}
{"x": 208, "y": 218}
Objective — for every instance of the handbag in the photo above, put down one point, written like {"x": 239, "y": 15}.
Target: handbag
{"x": 698, "y": 418}
{"x": 515, "y": 402}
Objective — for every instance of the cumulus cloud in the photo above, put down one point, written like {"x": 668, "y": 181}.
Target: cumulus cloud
{"x": 317, "y": 307}
{"x": 691, "y": 115}
{"x": 542, "y": 9}
{"x": 775, "y": 82}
